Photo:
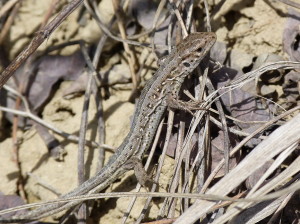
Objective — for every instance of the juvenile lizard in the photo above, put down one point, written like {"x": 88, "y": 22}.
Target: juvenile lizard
{"x": 162, "y": 88}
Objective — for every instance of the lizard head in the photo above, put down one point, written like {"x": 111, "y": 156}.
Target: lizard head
{"x": 194, "y": 47}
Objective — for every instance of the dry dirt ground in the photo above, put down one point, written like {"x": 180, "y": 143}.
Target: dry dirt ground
{"x": 252, "y": 27}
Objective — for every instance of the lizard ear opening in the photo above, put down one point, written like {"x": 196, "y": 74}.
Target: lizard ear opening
{"x": 199, "y": 49}
{"x": 186, "y": 64}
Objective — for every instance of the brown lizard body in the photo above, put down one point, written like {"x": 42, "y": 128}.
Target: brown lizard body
{"x": 153, "y": 102}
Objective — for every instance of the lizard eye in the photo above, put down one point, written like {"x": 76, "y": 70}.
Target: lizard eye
{"x": 186, "y": 64}
{"x": 199, "y": 49}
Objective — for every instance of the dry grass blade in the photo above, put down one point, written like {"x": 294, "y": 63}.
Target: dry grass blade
{"x": 279, "y": 180}
{"x": 279, "y": 140}
{"x": 8, "y": 5}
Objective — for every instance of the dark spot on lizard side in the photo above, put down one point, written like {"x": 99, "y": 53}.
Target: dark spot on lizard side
{"x": 186, "y": 64}
{"x": 199, "y": 49}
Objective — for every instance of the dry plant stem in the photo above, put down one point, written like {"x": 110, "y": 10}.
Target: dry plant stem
{"x": 290, "y": 3}
{"x": 207, "y": 16}
{"x": 20, "y": 182}
{"x": 202, "y": 80}
{"x": 16, "y": 159}
{"x": 245, "y": 140}
{"x": 203, "y": 134}
{"x": 224, "y": 126}
{"x": 160, "y": 164}
{"x": 155, "y": 20}
{"x": 232, "y": 130}
{"x": 41, "y": 182}
{"x": 280, "y": 208}
{"x": 168, "y": 204}
{"x": 67, "y": 136}
{"x": 98, "y": 99}
{"x": 155, "y": 24}
{"x": 256, "y": 213}
{"x": 162, "y": 221}
{"x": 98, "y": 94}
{"x": 208, "y": 197}
{"x": 267, "y": 149}
{"x": 81, "y": 143}
{"x": 91, "y": 85}
{"x": 186, "y": 145}
{"x": 226, "y": 203}
{"x": 276, "y": 164}
{"x": 84, "y": 119}
{"x": 257, "y": 72}
{"x": 149, "y": 159}
{"x": 201, "y": 156}
{"x": 179, "y": 18}
{"x": 27, "y": 113}
{"x": 49, "y": 13}
{"x": 281, "y": 180}
{"x": 190, "y": 7}
{"x": 204, "y": 147}
{"x": 39, "y": 38}
{"x": 99, "y": 103}
{"x": 131, "y": 57}
{"x": 8, "y": 23}
{"x": 237, "y": 120}
{"x": 22, "y": 87}
{"x": 185, "y": 176}
{"x": 170, "y": 29}
{"x": 106, "y": 30}
{"x": 158, "y": 13}
{"x": 172, "y": 206}
{"x": 8, "y": 5}
{"x": 216, "y": 9}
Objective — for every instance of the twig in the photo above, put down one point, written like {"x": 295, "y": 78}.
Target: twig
{"x": 67, "y": 136}
{"x": 160, "y": 165}
{"x": 44, "y": 184}
{"x": 149, "y": 159}
{"x": 224, "y": 126}
{"x": 237, "y": 147}
{"x": 82, "y": 134}
{"x": 232, "y": 130}
{"x": 290, "y": 3}
{"x": 39, "y": 38}
{"x": 179, "y": 18}
{"x": 8, "y": 5}
{"x": 9, "y": 21}
{"x": 133, "y": 66}
{"x": 107, "y": 31}
{"x": 208, "y": 26}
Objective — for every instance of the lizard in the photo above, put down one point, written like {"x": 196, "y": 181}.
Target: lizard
{"x": 160, "y": 91}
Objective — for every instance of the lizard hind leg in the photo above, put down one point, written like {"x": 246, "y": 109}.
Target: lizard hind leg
{"x": 136, "y": 164}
